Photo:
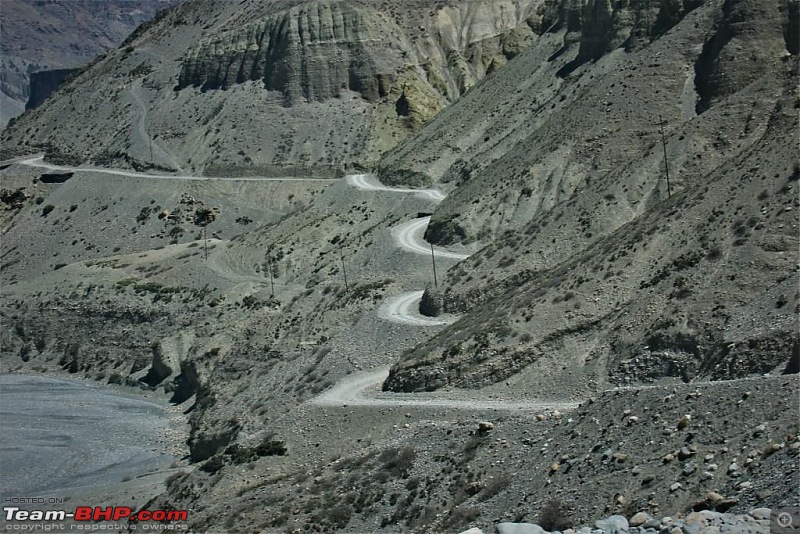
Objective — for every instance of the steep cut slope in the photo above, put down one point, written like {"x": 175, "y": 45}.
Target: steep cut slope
{"x": 595, "y": 272}
{"x": 276, "y": 87}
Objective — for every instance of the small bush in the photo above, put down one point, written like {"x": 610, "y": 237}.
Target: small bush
{"x": 553, "y": 516}
{"x": 397, "y": 462}
{"x": 47, "y": 209}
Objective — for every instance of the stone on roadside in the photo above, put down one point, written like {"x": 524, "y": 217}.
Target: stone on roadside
{"x": 639, "y": 519}
{"x": 652, "y": 524}
{"x": 519, "y": 528}
{"x": 485, "y": 426}
{"x": 760, "y": 513}
{"x": 614, "y": 524}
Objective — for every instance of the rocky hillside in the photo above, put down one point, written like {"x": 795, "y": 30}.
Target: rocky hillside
{"x": 44, "y": 35}
{"x": 618, "y": 341}
{"x": 594, "y": 259}
{"x": 277, "y": 87}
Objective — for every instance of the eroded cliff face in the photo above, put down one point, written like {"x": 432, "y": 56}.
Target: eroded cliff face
{"x": 281, "y": 87}
{"x": 308, "y": 53}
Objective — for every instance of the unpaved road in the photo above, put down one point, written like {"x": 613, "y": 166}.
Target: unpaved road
{"x": 363, "y": 389}
{"x": 408, "y": 236}
{"x": 38, "y": 161}
{"x": 404, "y": 308}
{"x": 367, "y": 183}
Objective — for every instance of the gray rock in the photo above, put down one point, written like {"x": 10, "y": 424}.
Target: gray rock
{"x": 760, "y": 513}
{"x": 473, "y": 530}
{"x": 639, "y": 519}
{"x": 705, "y": 517}
{"x": 485, "y": 426}
{"x": 519, "y": 528}
{"x": 653, "y": 524}
{"x": 612, "y": 524}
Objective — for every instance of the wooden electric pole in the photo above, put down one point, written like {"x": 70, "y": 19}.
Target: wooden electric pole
{"x": 666, "y": 163}
{"x": 271, "y": 279}
{"x": 205, "y": 241}
{"x": 433, "y": 260}
{"x": 344, "y": 270}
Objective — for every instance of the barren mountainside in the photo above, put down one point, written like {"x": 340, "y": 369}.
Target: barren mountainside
{"x": 43, "y": 35}
{"x": 571, "y": 192}
{"x": 237, "y": 210}
{"x": 277, "y": 87}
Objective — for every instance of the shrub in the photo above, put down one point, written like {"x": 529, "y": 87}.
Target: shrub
{"x": 47, "y": 209}
{"x": 553, "y": 516}
{"x": 397, "y": 462}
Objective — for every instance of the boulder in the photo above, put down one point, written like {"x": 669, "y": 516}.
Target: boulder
{"x": 613, "y": 524}
{"x": 639, "y": 519}
{"x": 519, "y": 528}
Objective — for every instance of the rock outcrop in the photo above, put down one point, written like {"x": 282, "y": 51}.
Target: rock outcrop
{"x": 44, "y": 83}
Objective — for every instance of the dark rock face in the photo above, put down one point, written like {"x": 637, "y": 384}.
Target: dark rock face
{"x": 44, "y": 83}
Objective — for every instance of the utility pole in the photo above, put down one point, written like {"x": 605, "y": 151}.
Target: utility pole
{"x": 344, "y": 270}
{"x": 271, "y": 280}
{"x": 664, "y": 145}
{"x": 205, "y": 241}
{"x": 433, "y": 260}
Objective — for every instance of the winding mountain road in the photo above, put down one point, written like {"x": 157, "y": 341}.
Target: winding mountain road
{"x": 363, "y": 389}
{"x": 359, "y": 389}
{"x": 366, "y": 183}
{"x": 409, "y": 235}
{"x": 403, "y": 308}
{"x": 38, "y": 162}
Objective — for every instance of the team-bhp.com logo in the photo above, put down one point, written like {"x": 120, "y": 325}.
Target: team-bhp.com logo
{"x": 95, "y": 514}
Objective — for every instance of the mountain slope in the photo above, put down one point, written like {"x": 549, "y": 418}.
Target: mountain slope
{"x": 60, "y": 34}
{"x": 590, "y": 262}
{"x": 276, "y": 87}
